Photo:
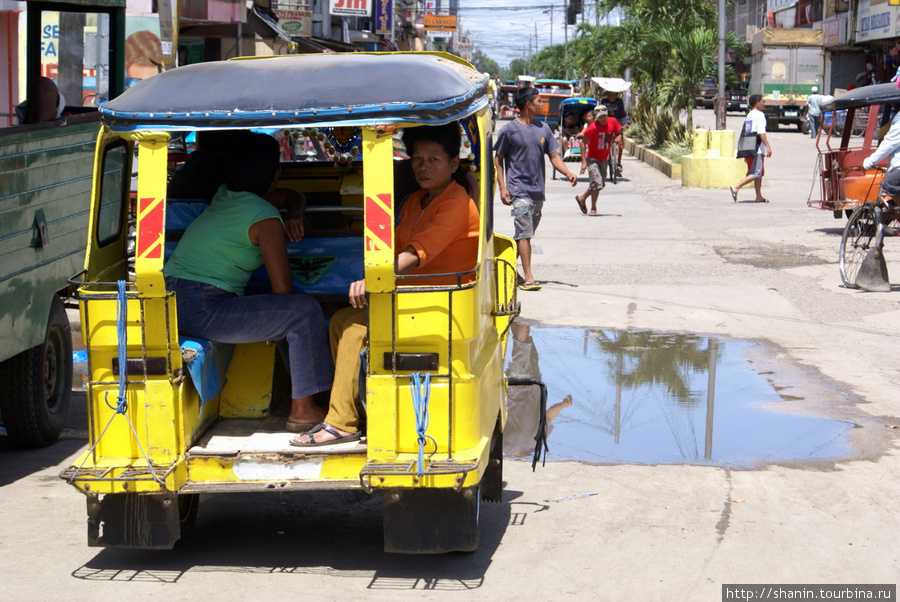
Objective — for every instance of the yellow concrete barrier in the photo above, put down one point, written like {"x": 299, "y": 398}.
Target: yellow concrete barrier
{"x": 712, "y": 163}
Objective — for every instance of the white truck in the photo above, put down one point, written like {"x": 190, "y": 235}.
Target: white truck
{"x": 786, "y": 64}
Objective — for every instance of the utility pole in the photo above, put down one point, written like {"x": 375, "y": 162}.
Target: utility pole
{"x": 720, "y": 98}
{"x": 566, "y": 30}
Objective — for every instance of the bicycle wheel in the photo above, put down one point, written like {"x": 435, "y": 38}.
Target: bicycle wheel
{"x": 613, "y": 162}
{"x": 860, "y": 234}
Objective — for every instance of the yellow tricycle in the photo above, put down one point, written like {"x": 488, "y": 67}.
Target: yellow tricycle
{"x": 171, "y": 417}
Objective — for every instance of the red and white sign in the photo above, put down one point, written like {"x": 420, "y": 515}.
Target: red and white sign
{"x": 351, "y": 8}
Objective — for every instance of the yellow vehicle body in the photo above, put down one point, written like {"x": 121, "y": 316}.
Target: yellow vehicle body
{"x": 153, "y": 439}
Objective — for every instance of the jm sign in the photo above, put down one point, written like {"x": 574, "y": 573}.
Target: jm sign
{"x": 351, "y": 8}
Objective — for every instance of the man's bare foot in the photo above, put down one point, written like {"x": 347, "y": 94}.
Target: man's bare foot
{"x": 304, "y": 410}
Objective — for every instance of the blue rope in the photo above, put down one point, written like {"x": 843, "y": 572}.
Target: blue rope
{"x": 421, "y": 393}
{"x": 122, "y": 335}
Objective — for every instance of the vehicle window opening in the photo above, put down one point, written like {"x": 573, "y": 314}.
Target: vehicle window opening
{"x": 114, "y": 192}
{"x": 76, "y": 56}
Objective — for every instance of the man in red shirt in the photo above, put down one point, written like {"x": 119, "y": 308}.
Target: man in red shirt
{"x": 598, "y": 137}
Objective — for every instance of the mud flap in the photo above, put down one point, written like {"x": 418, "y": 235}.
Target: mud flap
{"x": 873, "y": 273}
{"x": 431, "y": 521}
{"x": 129, "y": 520}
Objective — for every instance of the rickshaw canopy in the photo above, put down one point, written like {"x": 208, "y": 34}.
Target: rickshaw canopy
{"x": 864, "y": 97}
{"x": 577, "y": 103}
{"x": 341, "y": 89}
{"x": 612, "y": 84}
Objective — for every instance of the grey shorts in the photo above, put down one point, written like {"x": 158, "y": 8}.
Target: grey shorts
{"x": 597, "y": 173}
{"x": 526, "y": 217}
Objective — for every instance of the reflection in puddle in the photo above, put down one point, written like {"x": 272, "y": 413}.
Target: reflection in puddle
{"x": 651, "y": 397}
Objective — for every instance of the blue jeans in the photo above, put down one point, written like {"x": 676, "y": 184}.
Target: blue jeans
{"x": 295, "y": 321}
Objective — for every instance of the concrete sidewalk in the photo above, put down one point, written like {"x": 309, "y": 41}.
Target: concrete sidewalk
{"x": 669, "y": 258}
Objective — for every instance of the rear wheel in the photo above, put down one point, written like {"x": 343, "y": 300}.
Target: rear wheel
{"x": 37, "y": 384}
{"x": 860, "y": 233}
{"x": 614, "y": 163}
{"x": 492, "y": 480}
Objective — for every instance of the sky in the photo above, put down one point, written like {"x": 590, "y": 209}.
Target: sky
{"x": 505, "y": 29}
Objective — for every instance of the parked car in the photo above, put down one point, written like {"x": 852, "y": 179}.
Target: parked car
{"x": 706, "y": 95}
{"x": 736, "y": 100}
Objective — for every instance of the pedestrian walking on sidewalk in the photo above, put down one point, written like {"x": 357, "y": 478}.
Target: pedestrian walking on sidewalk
{"x": 598, "y": 137}
{"x": 756, "y": 122}
{"x": 519, "y": 160}
{"x": 814, "y": 111}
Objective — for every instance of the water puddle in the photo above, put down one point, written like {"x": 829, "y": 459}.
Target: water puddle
{"x": 658, "y": 398}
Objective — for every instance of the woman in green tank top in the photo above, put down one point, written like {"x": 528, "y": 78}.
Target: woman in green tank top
{"x": 239, "y": 232}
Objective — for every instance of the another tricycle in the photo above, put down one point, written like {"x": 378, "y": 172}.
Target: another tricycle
{"x": 846, "y": 188}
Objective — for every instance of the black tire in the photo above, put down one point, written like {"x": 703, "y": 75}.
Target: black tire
{"x": 188, "y": 504}
{"x": 613, "y": 161}
{"x": 805, "y": 127}
{"x": 37, "y": 385}
{"x": 860, "y": 234}
{"x": 492, "y": 480}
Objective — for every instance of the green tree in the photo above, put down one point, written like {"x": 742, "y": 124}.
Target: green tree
{"x": 484, "y": 63}
{"x": 550, "y": 61}
{"x": 669, "y": 46}
{"x": 516, "y": 68}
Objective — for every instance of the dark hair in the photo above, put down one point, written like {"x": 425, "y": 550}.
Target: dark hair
{"x": 753, "y": 100}
{"x": 523, "y": 95}
{"x": 252, "y": 164}
{"x": 449, "y": 138}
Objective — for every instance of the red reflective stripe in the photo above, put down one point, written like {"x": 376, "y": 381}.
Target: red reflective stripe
{"x": 150, "y": 228}
{"x": 378, "y": 223}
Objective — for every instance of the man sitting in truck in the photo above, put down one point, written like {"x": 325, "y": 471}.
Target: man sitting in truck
{"x": 44, "y": 103}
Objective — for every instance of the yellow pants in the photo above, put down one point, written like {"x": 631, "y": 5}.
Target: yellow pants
{"x": 347, "y": 334}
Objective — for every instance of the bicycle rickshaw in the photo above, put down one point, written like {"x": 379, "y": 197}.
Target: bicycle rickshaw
{"x": 170, "y": 418}
{"x": 577, "y": 106}
{"x": 846, "y": 188}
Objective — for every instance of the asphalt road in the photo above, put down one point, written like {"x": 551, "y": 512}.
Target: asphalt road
{"x": 659, "y": 257}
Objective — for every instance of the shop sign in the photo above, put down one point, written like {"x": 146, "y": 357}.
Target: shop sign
{"x": 446, "y": 24}
{"x": 835, "y": 30}
{"x": 351, "y": 8}
{"x": 877, "y": 20}
{"x": 295, "y": 22}
{"x": 384, "y": 15}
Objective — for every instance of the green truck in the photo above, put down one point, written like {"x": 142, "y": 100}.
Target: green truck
{"x": 46, "y": 173}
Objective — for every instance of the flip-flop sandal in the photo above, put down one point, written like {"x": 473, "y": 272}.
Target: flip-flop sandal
{"x": 328, "y": 429}
{"x": 733, "y": 194}
{"x": 530, "y": 286}
{"x": 581, "y": 204}
{"x": 593, "y": 214}
{"x": 763, "y": 201}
